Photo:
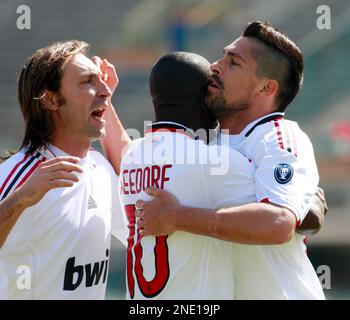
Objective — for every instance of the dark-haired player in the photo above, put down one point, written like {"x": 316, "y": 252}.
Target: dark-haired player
{"x": 259, "y": 75}
{"x": 181, "y": 265}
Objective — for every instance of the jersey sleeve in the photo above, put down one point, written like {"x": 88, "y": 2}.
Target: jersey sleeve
{"x": 286, "y": 176}
{"x": 118, "y": 227}
{"x": 12, "y": 171}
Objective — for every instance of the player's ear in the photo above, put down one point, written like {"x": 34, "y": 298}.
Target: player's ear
{"x": 269, "y": 88}
{"x": 50, "y": 100}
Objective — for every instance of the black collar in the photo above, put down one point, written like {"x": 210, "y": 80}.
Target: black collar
{"x": 262, "y": 121}
{"x": 172, "y": 127}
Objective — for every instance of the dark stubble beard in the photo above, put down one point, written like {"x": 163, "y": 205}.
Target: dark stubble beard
{"x": 218, "y": 105}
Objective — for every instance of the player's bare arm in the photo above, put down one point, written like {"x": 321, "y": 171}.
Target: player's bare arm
{"x": 314, "y": 219}
{"x": 116, "y": 140}
{"x": 255, "y": 223}
{"x": 55, "y": 173}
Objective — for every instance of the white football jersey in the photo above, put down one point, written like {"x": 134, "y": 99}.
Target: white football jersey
{"x": 182, "y": 265}
{"x": 60, "y": 247}
{"x": 286, "y": 174}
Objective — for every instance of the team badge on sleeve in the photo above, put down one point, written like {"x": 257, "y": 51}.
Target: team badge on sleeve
{"x": 283, "y": 173}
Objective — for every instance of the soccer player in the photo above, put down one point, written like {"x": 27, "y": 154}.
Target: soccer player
{"x": 59, "y": 199}
{"x": 181, "y": 265}
{"x": 250, "y": 87}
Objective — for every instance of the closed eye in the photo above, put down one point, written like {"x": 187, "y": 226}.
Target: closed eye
{"x": 89, "y": 77}
{"x": 89, "y": 80}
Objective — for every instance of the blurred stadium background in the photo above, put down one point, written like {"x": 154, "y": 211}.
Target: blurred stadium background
{"x": 133, "y": 34}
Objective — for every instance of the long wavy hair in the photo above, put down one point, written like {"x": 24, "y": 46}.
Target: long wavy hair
{"x": 42, "y": 72}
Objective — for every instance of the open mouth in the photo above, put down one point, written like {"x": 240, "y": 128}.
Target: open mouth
{"x": 98, "y": 113}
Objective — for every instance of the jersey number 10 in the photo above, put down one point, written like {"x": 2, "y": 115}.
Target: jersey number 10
{"x": 151, "y": 288}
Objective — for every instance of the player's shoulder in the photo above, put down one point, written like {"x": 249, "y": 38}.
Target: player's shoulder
{"x": 281, "y": 136}
{"x": 269, "y": 130}
{"x": 136, "y": 144}
{"x": 133, "y": 152}
{"x": 12, "y": 161}
{"x": 13, "y": 168}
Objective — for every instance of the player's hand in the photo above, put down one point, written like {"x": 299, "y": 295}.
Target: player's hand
{"x": 320, "y": 197}
{"x": 54, "y": 173}
{"x": 158, "y": 216}
{"x": 109, "y": 75}
{"x": 314, "y": 219}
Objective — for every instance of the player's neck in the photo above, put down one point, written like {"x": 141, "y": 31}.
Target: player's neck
{"x": 74, "y": 147}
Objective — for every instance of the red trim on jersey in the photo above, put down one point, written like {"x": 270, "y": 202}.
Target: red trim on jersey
{"x": 294, "y": 141}
{"x": 12, "y": 172}
{"x": 290, "y": 142}
{"x": 265, "y": 200}
{"x": 278, "y": 118}
{"x": 174, "y": 130}
{"x": 262, "y": 121}
{"x": 279, "y": 133}
{"x": 30, "y": 171}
